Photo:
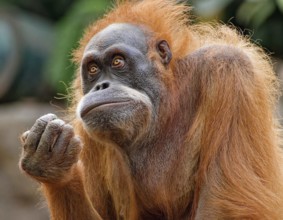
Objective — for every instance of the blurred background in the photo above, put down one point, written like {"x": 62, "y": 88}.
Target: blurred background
{"x": 36, "y": 41}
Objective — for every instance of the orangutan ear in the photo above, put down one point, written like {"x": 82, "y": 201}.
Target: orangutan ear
{"x": 164, "y": 52}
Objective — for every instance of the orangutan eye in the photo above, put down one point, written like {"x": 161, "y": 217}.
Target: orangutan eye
{"x": 118, "y": 62}
{"x": 92, "y": 69}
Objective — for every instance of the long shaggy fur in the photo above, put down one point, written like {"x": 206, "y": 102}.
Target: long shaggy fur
{"x": 234, "y": 136}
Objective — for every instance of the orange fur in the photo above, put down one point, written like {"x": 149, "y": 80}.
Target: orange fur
{"x": 231, "y": 161}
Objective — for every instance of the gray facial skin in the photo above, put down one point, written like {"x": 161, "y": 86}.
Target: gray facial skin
{"x": 120, "y": 104}
{"x": 127, "y": 34}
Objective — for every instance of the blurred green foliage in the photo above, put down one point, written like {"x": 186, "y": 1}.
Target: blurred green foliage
{"x": 52, "y": 75}
{"x": 51, "y": 9}
{"x": 263, "y": 19}
{"x": 69, "y": 31}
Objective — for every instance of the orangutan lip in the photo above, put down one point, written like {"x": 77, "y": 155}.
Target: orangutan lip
{"x": 86, "y": 110}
